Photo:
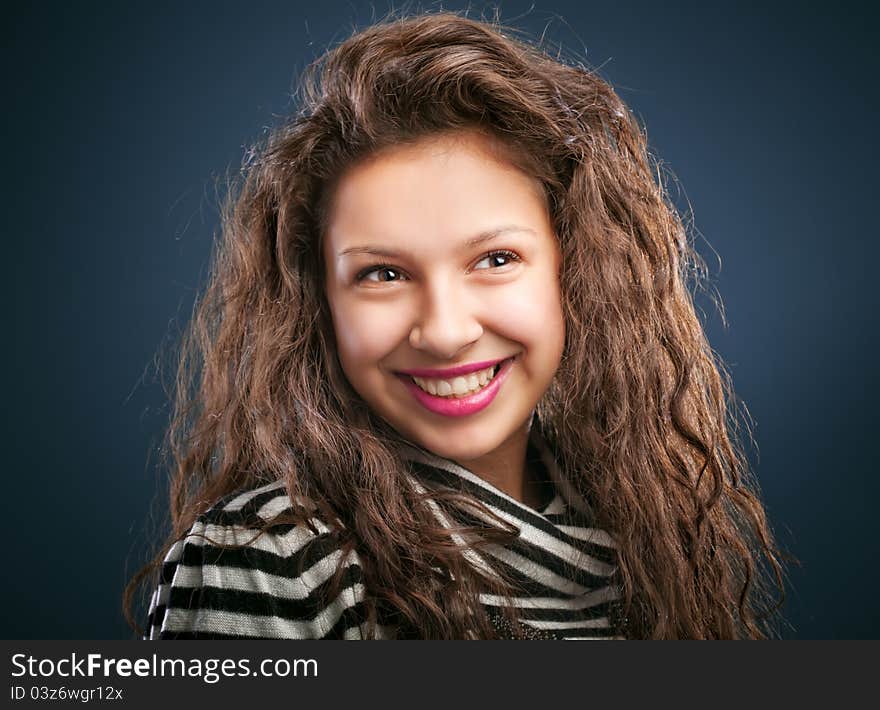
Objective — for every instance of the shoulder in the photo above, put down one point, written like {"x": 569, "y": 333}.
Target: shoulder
{"x": 227, "y": 578}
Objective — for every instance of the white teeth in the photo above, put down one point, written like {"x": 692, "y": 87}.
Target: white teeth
{"x": 458, "y": 386}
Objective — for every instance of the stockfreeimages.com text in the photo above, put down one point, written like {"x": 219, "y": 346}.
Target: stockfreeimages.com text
{"x": 210, "y": 670}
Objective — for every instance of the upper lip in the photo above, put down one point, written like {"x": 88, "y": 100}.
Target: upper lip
{"x": 451, "y": 371}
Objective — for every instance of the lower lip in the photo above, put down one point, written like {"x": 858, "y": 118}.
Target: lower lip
{"x": 460, "y": 406}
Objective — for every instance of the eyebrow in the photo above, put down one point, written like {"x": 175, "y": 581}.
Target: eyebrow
{"x": 484, "y": 236}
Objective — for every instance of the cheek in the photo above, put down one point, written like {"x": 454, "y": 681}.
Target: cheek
{"x": 365, "y": 334}
{"x": 530, "y": 312}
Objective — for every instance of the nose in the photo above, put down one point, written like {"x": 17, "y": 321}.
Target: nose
{"x": 446, "y": 323}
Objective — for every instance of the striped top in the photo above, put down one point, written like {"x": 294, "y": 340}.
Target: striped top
{"x": 271, "y": 586}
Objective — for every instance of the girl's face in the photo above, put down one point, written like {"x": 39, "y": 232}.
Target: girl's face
{"x": 439, "y": 256}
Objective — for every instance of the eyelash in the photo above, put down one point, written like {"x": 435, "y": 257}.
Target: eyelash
{"x": 378, "y": 267}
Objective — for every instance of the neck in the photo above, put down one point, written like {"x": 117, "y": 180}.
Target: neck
{"x": 506, "y": 468}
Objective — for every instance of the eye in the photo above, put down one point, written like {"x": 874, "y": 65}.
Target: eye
{"x": 501, "y": 255}
{"x": 379, "y": 269}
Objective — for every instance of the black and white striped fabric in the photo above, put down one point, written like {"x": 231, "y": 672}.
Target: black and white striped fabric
{"x": 271, "y": 586}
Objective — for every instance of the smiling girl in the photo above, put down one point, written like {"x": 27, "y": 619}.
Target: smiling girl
{"x": 447, "y": 380}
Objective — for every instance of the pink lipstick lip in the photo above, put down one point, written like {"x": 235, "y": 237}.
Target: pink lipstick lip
{"x": 452, "y": 371}
{"x": 460, "y": 406}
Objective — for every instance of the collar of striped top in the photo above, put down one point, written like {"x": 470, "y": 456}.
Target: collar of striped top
{"x": 446, "y": 472}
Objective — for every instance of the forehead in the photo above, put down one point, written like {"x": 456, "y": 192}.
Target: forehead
{"x": 439, "y": 189}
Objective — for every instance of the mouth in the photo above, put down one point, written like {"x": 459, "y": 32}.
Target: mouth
{"x": 459, "y": 385}
{"x": 461, "y": 395}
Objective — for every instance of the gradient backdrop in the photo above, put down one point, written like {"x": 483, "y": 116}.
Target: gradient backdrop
{"x": 120, "y": 120}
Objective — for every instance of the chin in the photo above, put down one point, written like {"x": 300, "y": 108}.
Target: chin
{"x": 461, "y": 448}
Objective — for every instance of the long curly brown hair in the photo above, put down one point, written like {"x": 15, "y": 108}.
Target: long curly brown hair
{"x": 641, "y": 412}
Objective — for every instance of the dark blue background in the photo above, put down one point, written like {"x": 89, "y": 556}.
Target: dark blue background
{"x": 119, "y": 122}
